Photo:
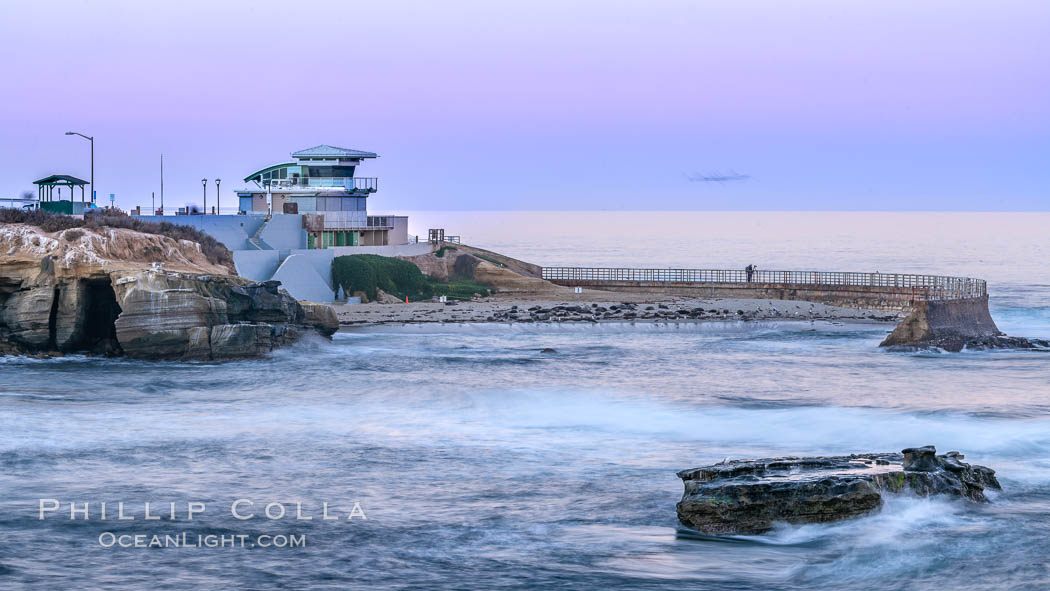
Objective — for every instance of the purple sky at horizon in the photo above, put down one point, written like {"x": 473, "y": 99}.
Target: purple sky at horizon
{"x": 829, "y": 105}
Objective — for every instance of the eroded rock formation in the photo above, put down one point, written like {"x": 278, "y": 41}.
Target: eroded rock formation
{"x": 952, "y": 325}
{"x": 749, "y": 496}
{"x": 70, "y": 298}
{"x": 501, "y": 272}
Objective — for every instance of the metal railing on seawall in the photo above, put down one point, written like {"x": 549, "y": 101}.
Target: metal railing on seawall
{"x": 922, "y": 287}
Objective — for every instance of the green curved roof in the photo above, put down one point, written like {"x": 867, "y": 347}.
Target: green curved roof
{"x": 268, "y": 169}
{"x": 61, "y": 179}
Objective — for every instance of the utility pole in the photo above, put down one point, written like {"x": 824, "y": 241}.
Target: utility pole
{"x": 218, "y": 209}
{"x": 204, "y": 182}
{"x": 162, "y": 184}
{"x": 92, "y": 140}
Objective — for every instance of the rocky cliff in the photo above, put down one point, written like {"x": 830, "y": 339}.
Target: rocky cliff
{"x": 120, "y": 292}
{"x": 503, "y": 273}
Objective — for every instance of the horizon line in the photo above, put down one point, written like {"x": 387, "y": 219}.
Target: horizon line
{"x": 726, "y": 210}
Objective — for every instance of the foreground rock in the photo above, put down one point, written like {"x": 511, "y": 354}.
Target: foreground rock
{"x": 65, "y": 295}
{"x": 749, "y": 496}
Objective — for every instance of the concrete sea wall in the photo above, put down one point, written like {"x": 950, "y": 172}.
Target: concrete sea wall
{"x": 939, "y": 319}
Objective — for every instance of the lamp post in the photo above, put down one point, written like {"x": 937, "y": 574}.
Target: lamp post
{"x": 204, "y": 183}
{"x": 218, "y": 207}
{"x": 92, "y": 140}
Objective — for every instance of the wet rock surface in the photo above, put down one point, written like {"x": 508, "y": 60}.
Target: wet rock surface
{"x": 749, "y": 496}
{"x": 955, "y": 344}
{"x": 1005, "y": 342}
{"x": 952, "y": 325}
{"x": 150, "y": 314}
{"x": 179, "y": 316}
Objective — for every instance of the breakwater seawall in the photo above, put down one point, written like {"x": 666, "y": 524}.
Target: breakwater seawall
{"x": 936, "y": 309}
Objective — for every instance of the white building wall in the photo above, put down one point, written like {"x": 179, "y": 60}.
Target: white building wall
{"x": 399, "y": 234}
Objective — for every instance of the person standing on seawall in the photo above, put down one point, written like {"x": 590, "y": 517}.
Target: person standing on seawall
{"x": 750, "y": 270}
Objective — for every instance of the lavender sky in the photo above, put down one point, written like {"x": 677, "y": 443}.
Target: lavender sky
{"x": 831, "y": 105}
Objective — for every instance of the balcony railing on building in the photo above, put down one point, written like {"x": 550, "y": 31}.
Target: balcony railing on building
{"x": 356, "y": 220}
{"x": 359, "y": 184}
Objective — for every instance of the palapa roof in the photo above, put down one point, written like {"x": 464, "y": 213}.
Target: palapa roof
{"x": 61, "y": 179}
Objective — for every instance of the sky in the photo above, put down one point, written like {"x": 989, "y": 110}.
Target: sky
{"x": 542, "y": 105}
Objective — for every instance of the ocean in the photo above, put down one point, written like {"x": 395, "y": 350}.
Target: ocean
{"x": 466, "y": 459}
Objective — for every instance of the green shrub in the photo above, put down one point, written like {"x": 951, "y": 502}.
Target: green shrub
{"x": 459, "y": 290}
{"x": 367, "y": 272}
{"x": 353, "y": 273}
{"x": 398, "y": 277}
{"x": 492, "y": 260}
{"x": 48, "y": 222}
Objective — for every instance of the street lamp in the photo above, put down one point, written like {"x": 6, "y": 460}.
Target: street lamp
{"x": 218, "y": 208}
{"x": 204, "y": 183}
{"x": 92, "y": 140}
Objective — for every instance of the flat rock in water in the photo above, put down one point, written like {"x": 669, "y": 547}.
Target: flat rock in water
{"x": 748, "y": 496}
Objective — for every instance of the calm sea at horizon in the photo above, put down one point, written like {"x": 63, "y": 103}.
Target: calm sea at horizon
{"x": 483, "y": 464}
{"x": 1011, "y": 250}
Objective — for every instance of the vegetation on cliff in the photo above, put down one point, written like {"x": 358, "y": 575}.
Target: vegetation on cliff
{"x": 368, "y": 273}
{"x": 354, "y": 274}
{"x": 213, "y": 250}
{"x": 464, "y": 290}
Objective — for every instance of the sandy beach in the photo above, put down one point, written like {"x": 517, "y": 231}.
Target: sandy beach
{"x": 606, "y": 307}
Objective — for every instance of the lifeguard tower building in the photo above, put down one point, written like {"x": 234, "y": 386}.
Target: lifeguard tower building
{"x": 322, "y": 186}
{"x": 299, "y": 216}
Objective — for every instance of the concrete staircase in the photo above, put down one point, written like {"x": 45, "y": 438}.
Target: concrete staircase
{"x": 255, "y": 240}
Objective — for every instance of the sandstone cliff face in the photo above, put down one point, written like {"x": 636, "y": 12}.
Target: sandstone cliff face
{"x": 57, "y": 296}
{"x": 507, "y": 280}
{"x": 503, "y": 273}
{"x": 83, "y": 250}
{"x": 181, "y": 316}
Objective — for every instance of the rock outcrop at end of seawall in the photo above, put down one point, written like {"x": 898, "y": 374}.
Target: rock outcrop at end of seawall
{"x": 954, "y": 325}
{"x": 749, "y": 496}
{"x": 948, "y": 324}
{"x": 72, "y": 297}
